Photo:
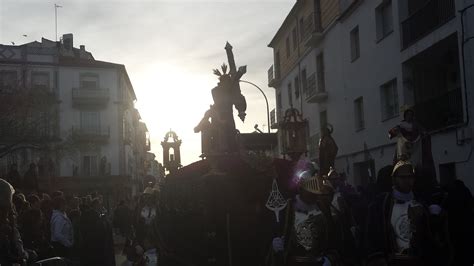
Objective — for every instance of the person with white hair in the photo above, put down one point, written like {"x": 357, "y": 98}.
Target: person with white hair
{"x": 11, "y": 245}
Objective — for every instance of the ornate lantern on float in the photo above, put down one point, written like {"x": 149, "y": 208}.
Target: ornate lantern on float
{"x": 293, "y": 133}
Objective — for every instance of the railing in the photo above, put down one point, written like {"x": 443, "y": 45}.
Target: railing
{"x": 426, "y": 19}
{"x": 311, "y": 25}
{"x": 271, "y": 75}
{"x": 314, "y": 94}
{"x": 440, "y": 112}
{"x": 90, "y": 96}
{"x": 311, "y": 86}
{"x": 91, "y": 133}
{"x": 148, "y": 144}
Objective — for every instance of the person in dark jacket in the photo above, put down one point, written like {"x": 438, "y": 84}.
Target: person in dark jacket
{"x": 33, "y": 235}
{"x": 30, "y": 180}
{"x": 13, "y": 176}
{"x": 460, "y": 207}
{"x": 122, "y": 220}
{"x": 97, "y": 240}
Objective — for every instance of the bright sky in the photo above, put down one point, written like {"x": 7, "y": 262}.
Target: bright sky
{"x": 169, "y": 49}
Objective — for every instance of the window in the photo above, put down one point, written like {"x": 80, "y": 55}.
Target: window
{"x": 320, "y": 72}
{"x": 304, "y": 80}
{"x": 290, "y": 95}
{"x": 297, "y": 87}
{"x": 355, "y": 45}
{"x": 8, "y": 81}
{"x": 89, "y": 81}
{"x": 89, "y": 165}
{"x": 287, "y": 47}
{"x": 359, "y": 113}
{"x": 90, "y": 122}
{"x": 295, "y": 38}
{"x": 384, "y": 20}
{"x": 389, "y": 100}
{"x": 323, "y": 119}
{"x": 40, "y": 80}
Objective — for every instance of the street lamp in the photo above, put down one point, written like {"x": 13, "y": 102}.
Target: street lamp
{"x": 266, "y": 101}
{"x": 292, "y": 132}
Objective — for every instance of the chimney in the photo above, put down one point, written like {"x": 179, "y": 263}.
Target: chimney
{"x": 83, "y": 48}
{"x": 68, "y": 43}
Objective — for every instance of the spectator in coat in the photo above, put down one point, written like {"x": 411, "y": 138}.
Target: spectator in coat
{"x": 62, "y": 236}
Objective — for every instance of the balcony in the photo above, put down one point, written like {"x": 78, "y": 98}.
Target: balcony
{"x": 89, "y": 97}
{"x": 147, "y": 144}
{"x": 312, "y": 94}
{"x": 273, "y": 77}
{"x": 92, "y": 134}
{"x": 426, "y": 19}
{"x": 312, "y": 31}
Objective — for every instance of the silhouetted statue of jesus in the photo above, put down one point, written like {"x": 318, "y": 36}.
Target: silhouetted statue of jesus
{"x": 219, "y": 135}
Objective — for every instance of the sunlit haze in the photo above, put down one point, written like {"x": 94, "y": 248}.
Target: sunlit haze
{"x": 169, "y": 49}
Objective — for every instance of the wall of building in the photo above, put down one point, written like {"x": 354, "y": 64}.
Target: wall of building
{"x": 380, "y": 61}
{"x": 70, "y": 116}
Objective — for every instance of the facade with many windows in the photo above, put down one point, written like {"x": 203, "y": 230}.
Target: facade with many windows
{"x": 361, "y": 62}
{"x": 98, "y": 141}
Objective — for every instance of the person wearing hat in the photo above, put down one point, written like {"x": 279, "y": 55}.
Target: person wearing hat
{"x": 399, "y": 231}
{"x": 11, "y": 245}
{"x": 312, "y": 232}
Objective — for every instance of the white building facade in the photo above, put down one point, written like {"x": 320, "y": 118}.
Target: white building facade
{"x": 103, "y": 144}
{"x": 367, "y": 62}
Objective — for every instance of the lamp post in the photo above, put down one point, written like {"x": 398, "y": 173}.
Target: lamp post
{"x": 292, "y": 132}
{"x": 266, "y": 101}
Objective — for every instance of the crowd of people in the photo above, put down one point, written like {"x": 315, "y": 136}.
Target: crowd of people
{"x": 80, "y": 230}
{"x": 38, "y": 226}
{"x": 404, "y": 218}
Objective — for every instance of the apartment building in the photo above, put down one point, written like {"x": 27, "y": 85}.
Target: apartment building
{"x": 355, "y": 64}
{"x": 97, "y": 141}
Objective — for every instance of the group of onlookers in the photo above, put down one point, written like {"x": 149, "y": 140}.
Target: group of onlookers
{"x": 37, "y": 226}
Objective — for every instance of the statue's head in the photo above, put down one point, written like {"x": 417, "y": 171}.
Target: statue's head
{"x": 224, "y": 77}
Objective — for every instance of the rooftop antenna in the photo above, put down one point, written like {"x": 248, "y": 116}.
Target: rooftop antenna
{"x": 56, "y": 19}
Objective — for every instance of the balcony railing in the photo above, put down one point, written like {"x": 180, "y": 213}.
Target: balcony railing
{"x": 273, "y": 76}
{"x": 91, "y": 134}
{"x": 84, "y": 96}
{"x": 312, "y": 30}
{"x": 313, "y": 95}
{"x": 440, "y": 112}
{"x": 148, "y": 144}
{"x": 426, "y": 19}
